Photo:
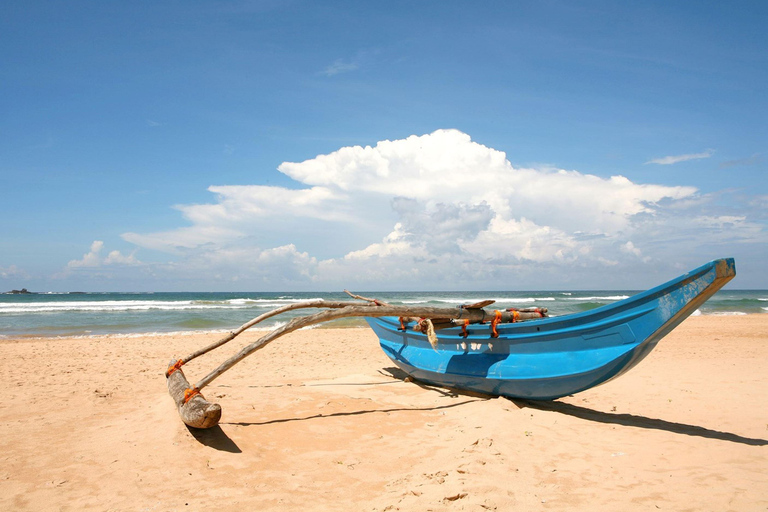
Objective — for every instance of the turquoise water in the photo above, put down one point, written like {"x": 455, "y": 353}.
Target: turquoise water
{"x": 88, "y": 314}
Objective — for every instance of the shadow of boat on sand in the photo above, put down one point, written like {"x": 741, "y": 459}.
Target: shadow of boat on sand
{"x": 633, "y": 420}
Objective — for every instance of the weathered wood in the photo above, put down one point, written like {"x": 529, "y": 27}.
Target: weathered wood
{"x": 367, "y": 299}
{"x": 473, "y": 315}
{"x": 479, "y": 305}
{"x": 197, "y": 412}
{"x": 529, "y": 310}
{"x": 317, "y": 303}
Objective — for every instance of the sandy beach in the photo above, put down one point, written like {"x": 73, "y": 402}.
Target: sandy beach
{"x": 321, "y": 420}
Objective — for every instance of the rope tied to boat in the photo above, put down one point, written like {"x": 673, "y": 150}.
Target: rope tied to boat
{"x": 496, "y": 320}
{"x": 464, "y": 332}
{"x": 189, "y": 393}
{"x": 173, "y": 367}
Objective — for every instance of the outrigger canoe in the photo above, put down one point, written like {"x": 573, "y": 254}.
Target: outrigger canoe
{"x": 556, "y": 356}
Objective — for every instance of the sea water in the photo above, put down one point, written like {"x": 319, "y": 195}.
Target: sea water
{"x": 91, "y": 314}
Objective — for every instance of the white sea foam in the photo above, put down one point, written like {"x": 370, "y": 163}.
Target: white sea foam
{"x": 137, "y": 305}
{"x": 608, "y": 297}
{"x": 267, "y": 303}
{"x": 459, "y": 300}
{"x": 124, "y": 305}
{"x": 280, "y": 300}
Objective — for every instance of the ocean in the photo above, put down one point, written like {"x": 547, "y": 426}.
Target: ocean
{"x": 98, "y": 314}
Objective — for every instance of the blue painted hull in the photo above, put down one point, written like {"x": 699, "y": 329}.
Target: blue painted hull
{"x": 557, "y": 356}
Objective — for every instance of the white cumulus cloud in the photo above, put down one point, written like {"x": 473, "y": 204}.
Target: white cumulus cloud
{"x": 93, "y": 258}
{"x": 430, "y": 211}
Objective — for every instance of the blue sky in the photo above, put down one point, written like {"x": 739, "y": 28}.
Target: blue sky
{"x": 305, "y": 145}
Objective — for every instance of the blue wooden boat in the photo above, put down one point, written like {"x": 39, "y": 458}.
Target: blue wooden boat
{"x": 556, "y": 356}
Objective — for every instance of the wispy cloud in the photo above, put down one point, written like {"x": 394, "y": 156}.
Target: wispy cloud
{"x": 152, "y": 123}
{"x": 340, "y": 66}
{"x": 673, "y": 159}
{"x": 12, "y": 272}
{"x": 753, "y": 160}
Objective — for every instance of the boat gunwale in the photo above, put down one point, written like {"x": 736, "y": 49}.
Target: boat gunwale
{"x": 603, "y": 317}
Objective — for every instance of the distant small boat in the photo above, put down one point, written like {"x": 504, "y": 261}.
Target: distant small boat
{"x": 556, "y": 356}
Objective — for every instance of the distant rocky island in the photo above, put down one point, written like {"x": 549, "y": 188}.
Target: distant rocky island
{"x": 24, "y": 291}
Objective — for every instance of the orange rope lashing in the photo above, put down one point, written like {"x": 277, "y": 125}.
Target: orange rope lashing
{"x": 464, "y": 332}
{"x": 172, "y": 368}
{"x": 189, "y": 393}
{"x": 494, "y": 323}
{"x": 402, "y": 324}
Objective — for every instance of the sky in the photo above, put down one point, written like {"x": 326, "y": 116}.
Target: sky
{"x": 430, "y": 145}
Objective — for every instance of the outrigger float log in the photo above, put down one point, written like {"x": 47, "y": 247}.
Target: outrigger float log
{"x": 492, "y": 352}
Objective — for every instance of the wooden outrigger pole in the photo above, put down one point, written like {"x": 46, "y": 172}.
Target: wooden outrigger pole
{"x": 198, "y": 412}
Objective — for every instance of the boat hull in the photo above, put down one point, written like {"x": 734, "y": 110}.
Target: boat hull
{"x": 556, "y": 356}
